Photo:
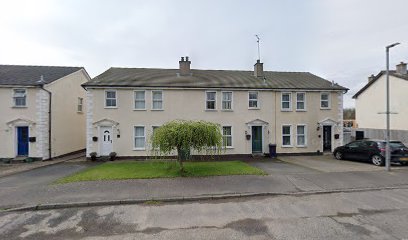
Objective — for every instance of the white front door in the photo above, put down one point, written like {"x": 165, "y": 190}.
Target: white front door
{"x": 106, "y": 141}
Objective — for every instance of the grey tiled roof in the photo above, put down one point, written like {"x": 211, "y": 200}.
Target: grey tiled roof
{"x": 30, "y": 75}
{"x": 150, "y": 77}
{"x": 391, "y": 72}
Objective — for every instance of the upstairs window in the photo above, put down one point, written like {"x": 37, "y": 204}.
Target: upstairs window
{"x": 300, "y": 101}
{"x": 253, "y": 100}
{"x": 20, "y": 97}
{"x": 110, "y": 99}
{"x": 157, "y": 97}
{"x": 325, "y": 100}
{"x": 140, "y": 101}
{"x": 286, "y": 101}
{"x": 226, "y": 100}
{"x": 227, "y": 136}
{"x": 211, "y": 100}
{"x": 80, "y": 104}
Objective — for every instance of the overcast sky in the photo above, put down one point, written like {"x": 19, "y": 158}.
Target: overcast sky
{"x": 340, "y": 40}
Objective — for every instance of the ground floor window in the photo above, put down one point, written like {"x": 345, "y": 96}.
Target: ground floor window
{"x": 287, "y": 135}
{"x": 227, "y": 136}
{"x": 140, "y": 137}
{"x": 301, "y": 135}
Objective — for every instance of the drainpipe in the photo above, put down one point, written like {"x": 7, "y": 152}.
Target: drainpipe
{"x": 41, "y": 84}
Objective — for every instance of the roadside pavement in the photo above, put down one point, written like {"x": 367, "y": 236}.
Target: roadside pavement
{"x": 10, "y": 169}
{"x": 36, "y": 187}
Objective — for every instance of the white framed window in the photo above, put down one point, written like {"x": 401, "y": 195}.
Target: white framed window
{"x": 210, "y": 100}
{"x": 157, "y": 100}
{"x": 325, "y": 100}
{"x": 226, "y": 100}
{"x": 110, "y": 99}
{"x": 227, "y": 136}
{"x": 286, "y": 101}
{"x": 80, "y": 104}
{"x": 286, "y": 135}
{"x": 300, "y": 101}
{"x": 253, "y": 100}
{"x": 301, "y": 135}
{"x": 140, "y": 138}
{"x": 140, "y": 100}
{"x": 20, "y": 97}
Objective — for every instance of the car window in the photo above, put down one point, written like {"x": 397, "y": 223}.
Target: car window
{"x": 397, "y": 145}
{"x": 371, "y": 144}
{"x": 354, "y": 144}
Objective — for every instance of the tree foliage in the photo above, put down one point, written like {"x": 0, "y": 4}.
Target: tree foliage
{"x": 349, "y": 113}
{"x": 183, "y": 136}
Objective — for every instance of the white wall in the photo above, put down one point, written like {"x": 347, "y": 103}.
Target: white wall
{"x": 190, "y": 105}
{"x": 372, "y": 101}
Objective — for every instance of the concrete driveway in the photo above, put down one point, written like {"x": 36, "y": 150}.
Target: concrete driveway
{"x": 327, "y": 163}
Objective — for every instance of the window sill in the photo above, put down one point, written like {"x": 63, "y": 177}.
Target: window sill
{"x": 301, "y": 146}
{"x": 227, "y": 110}
{"x": 80, "y": 112}
{"x": 157, "y": 110}
{"x": 286, "y": 110}
{"x": 254, "y": 108}
{"x": 301, "y": 110}
{"x": 139, "y": 149}
{"x": 229, "y": 147}
{"x": 19, "y": 107}
{"x": 325, "y": 108}
{"x": 139, "y": 109}
{"x": 287, "y": 146}
{"x": 111, "y": 107}
{"x": 211, "y": 110}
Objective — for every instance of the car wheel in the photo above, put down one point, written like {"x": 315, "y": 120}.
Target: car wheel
{"x": 377, "y": 160}
{"x": 338, "y": 155}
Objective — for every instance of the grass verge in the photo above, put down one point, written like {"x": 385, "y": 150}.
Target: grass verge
{"x": 160, "y": 169}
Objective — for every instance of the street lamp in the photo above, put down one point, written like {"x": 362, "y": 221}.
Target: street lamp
{"x": 387, "y": 147}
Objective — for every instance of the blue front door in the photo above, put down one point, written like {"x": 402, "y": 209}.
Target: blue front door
{"x": 22, "y": 141}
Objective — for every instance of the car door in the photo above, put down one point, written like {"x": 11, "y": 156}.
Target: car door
{"x": 352, "y": 150}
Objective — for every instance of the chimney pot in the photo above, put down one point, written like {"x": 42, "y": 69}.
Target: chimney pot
{"x": 402, "y": 68}
{"x": 182, "y": 59}
{"x": 186, "y": 58}
{"x": 371, "y": 78}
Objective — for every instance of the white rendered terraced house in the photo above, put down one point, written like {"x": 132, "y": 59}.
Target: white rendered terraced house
{"x": 42, "y": 111}
{"x": 298, "y": 111}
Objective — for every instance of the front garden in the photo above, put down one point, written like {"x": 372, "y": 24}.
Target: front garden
{"x": 161, "y": 169}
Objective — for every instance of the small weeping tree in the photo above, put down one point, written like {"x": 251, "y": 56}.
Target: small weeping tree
{"x": 184, "y": 136}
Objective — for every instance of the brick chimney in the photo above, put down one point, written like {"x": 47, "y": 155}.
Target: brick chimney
{"x": 185, "y": 66}
{"x": 371, "y": 78}
{"x": 402, "y": 68}
{"x": 258, "y": 69}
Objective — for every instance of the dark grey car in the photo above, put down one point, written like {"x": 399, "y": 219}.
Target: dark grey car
{"x": 373, "y": 151}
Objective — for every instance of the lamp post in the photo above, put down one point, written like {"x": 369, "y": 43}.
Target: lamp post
{"x": 387, "y": 147}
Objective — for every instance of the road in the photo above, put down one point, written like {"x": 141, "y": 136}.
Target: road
{"x": 381, "y": 214}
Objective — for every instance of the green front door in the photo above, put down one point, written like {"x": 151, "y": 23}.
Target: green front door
{"x": 256, "y": 139}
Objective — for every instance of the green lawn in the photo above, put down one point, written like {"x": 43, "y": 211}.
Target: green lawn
{"x": 160, "y": 169}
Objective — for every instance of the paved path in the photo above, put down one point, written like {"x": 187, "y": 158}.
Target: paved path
{"x": 10, "y": 169}
{"x": 367, "y": 215}
{"x": 327, "y": 163}
{"x": 36, "y": 186}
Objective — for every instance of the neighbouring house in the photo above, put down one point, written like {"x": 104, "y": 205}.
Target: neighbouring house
{"x": 298, "y": 111}
{"x": 42, "y": 111}
{"x": 371, "y": 105}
